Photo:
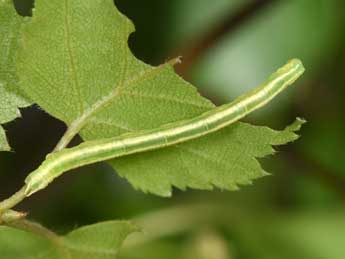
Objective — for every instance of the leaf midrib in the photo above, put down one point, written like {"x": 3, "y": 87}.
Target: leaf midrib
{"x": 71, "y": 56}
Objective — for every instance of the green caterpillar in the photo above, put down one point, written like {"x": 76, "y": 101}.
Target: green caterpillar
{"x": 104, "y": 149}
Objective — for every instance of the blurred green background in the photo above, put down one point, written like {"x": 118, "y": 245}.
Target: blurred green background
{"x": 228, "y": 47}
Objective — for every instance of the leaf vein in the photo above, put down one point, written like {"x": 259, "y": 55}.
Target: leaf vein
{"x": 110, "y": 123}
{"x": 71, "y": 57}
{"x": 164, "y": 98}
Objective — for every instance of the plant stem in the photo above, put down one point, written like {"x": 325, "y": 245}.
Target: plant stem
{"x": 13, "y": 200}
{"x": 10, "y": 216}
{"x": 70, "y": 133}
{"x": 75, "y": 127}
{"x": 35, "y": 228}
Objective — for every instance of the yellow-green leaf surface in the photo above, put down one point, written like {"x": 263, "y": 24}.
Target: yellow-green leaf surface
{"x": 74, "y": 61}
{"x": 10, "y": 99}
{"x": 101, "y": 240}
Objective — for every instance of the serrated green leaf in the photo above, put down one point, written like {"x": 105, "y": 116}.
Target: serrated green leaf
{"x": 72, "y": 59}
{"x": 98, "y": 241}
{"x": 224, "y": 159}
{"x": 76, "y": 64}
{"x": 10, "y": 99}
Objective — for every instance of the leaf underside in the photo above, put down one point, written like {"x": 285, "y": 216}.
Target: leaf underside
{"x": 101, "y": 240}
{"x": 10, "y": 99}
{"x": 75, "y": 62}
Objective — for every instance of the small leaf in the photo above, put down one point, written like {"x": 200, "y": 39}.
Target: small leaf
{"x": 10, "y": 99}
{"x": 98, "y": 241}
{"x": 76, "y": 64}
